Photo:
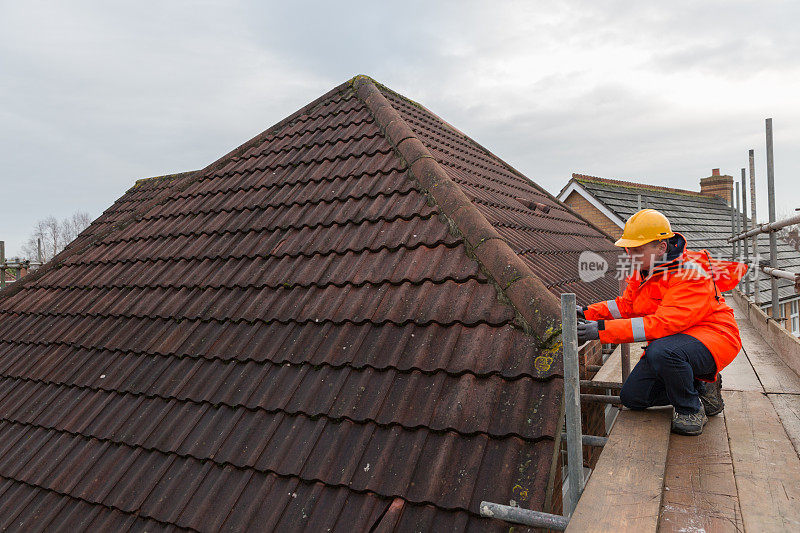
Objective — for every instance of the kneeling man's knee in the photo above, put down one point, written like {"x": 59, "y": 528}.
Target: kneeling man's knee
{"x": 630, "y": 399}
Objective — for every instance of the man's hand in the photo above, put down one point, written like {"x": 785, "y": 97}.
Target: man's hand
{"x": 579, "y": 310}
{"x": 588, "y": 331}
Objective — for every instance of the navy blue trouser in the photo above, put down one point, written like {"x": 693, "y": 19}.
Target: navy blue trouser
{"x": 666, "y": 374}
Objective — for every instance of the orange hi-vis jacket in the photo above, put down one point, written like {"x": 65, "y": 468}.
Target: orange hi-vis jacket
{"x": 681, "y": 295}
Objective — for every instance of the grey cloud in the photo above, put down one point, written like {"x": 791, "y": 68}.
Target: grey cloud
{"x": 94, "y": 96}
{"x": 732, "y": 59}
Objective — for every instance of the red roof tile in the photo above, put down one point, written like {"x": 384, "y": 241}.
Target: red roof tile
{"x": 333, "y": 327}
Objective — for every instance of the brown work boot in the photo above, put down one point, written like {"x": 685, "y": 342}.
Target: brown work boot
{"x": 711, "y": 396}
{"x": 691, "y": 424}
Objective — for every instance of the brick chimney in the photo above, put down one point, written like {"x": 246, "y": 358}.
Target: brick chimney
{"x": 721, "y": 186}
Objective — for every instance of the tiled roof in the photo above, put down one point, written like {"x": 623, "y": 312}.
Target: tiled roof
{"x": 704, "y": 219}
{"x": 134, "y": 201}
{"x": 326, "y": 329}
{"x": 641, "y": 187}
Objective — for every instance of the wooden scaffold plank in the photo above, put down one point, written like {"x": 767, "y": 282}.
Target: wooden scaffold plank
{"x": 765, "y": 463}
{"x": 624, "y": 491}
{"x": 788, "y": 409}
{"x": 699, "y": 485}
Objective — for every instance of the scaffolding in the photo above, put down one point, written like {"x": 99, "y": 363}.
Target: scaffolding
{"x": 740, "y": 235}
{"x": 575, "y": 440}
{"x": 20, "y": 267}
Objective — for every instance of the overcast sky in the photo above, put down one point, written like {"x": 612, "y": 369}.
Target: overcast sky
{"x": 94, "y": 95}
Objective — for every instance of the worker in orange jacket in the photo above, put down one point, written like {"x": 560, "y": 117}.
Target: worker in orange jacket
{"x": 674, "y": 301}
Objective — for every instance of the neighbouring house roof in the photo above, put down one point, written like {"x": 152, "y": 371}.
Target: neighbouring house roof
{"x": 349, "y": 322}
{"x": 703, "y": 218}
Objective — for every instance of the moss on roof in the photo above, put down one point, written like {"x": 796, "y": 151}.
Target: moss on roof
{"x": 167, "y": 177}
{"x": 632, "y": 185}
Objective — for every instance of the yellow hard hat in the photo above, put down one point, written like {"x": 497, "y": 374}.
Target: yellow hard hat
{"x": 644, "y": 226}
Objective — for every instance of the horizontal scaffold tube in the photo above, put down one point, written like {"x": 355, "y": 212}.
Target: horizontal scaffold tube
{"x": 766, "y": 228}
{"x": 775, "y": 273}
{"x": 590, "y": 440}
{"x": 601, "y": 384}
{"x": 601, "y": 398}
{"x": 527, "y": 517}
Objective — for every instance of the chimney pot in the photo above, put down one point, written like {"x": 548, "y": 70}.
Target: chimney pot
{"x": 715, "y": 172}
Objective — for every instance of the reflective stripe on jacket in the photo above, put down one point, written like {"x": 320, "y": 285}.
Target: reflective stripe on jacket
{"x": 678, "y": 296}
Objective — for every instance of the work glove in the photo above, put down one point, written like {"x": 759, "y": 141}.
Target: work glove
{"x": 588, "y": 330}
{"x": 579, "y": 310}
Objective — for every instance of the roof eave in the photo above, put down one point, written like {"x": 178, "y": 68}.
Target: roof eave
{"x": 574, "y": 186}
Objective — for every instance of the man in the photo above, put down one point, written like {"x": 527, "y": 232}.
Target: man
{"x": 674, "y": 301}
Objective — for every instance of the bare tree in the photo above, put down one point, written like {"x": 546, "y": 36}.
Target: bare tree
{"x": 54, "y": 235}
{"x": 791, "y": 233}
{"x": 74, "y": 225}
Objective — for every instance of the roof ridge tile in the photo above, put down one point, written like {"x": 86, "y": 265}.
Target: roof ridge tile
{"x": 636, "y": 185}
{"x": 536, "y": 305}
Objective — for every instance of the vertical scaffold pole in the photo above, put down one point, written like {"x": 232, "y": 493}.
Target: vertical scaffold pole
{"x": 736, "y": 202}
{"x": 625, "y": 348}
{"x": 753, "y": 221}
{"x": 773, "y": 237}
{"x": 572, "y": 399}
{"x": 745, "y": 228}
{"x": 733, "y": 229}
